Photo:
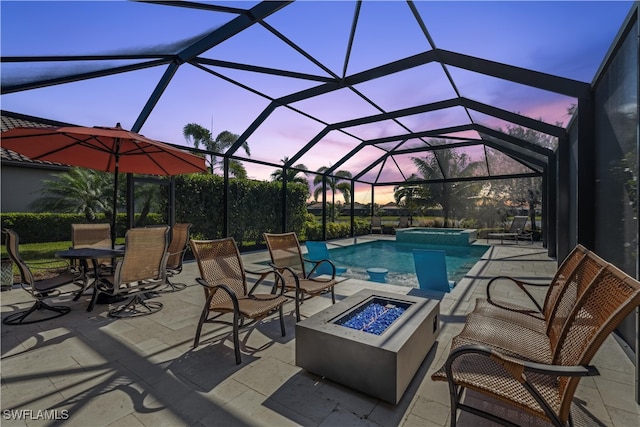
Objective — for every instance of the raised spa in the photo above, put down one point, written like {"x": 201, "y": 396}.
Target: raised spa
{"x": 437, "y": 236}
{"x": 381, "y": 365}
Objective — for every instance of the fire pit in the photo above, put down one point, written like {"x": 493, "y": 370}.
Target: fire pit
{"x": 372, "y": 341}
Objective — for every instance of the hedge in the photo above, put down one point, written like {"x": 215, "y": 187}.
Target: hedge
{"x": 56, "y": 227}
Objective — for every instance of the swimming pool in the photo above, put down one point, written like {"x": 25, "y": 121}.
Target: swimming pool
{"x": 397, "y": 257}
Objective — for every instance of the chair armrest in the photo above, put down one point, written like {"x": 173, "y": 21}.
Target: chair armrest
{"x": 520, "y": 284}
{"x": 291, "y": 272}
{"x": 517, "y": 367}
{"x": 225, "y": 288}
{"x": 263, "y": 275}
{"x": 512, "y": 367}
{"x": 317, "y": 264}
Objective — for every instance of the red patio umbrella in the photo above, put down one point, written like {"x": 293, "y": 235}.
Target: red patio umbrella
{"x": 105, "y": 149}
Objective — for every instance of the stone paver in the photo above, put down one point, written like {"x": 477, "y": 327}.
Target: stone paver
{"x": 98, "y": 371}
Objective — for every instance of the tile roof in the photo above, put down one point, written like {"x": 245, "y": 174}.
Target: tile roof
{"x": 10, "y": 120}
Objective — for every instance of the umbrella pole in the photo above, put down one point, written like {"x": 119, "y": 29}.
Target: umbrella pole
{"x": 115, "y": 201}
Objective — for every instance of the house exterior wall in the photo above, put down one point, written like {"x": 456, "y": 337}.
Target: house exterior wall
{"x": 21, "y": 185}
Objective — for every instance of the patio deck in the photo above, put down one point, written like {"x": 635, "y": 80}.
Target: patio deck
{"x": 98, "y": 371}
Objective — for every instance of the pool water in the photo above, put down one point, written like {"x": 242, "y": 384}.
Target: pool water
{"x": 397, "y": 257}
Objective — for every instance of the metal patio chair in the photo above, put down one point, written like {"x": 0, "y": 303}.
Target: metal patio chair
{"x": 136, "y": 275}
{"x": 376, "y": 224}
{"x": 225, "y": 288}
{"x": 90, "y": 236}
{"x": 286, "y": 258}
{"x": 40, "y": 290}
{"x": 516, "y": 231}
{"x": 177, "y": 249}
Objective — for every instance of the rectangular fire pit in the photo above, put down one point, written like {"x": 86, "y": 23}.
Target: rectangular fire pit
{"x": 372, "y": 341}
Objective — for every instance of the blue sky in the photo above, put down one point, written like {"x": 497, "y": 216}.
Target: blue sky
{"x": 569, "y": 39}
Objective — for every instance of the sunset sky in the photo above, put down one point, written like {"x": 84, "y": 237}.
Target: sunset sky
{"x": 568, "y": 39}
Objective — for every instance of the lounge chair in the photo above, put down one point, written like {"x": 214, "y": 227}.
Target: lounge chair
{"x": 515, "y": 231}
{"x": 286, "y": 258}
{"x": 431, "y": 269}
{"x": 138, "y": 274}
{"x": 376, "y": 224}
{"x": 178, "y": 245}
{"x": 538, "y": 373}
{"x": 318, "y": 252}
{"x": 40, "y": 290}
{"x": 225, "y": 288}
{"x": 403, "y": 222}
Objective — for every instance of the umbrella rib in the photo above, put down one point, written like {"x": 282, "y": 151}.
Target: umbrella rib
{"x": 153, "y": 149}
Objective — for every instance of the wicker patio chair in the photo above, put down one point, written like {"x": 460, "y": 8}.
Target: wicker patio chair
{"x": 177, "y": 248}
{"x": 286, "y": 257}
{"x": 138, "y": 273}
{"x": 533, "y": 316}
{"x": 539, "y": 373}
{"x": 225, "y": 288}
{"x": 40, "y": 290}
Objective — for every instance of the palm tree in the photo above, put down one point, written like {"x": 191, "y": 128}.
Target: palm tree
{"x": 292, "y": 175}
{"x": 199, "y": 135}
{"x": 443, "y": 164}
{"x": 336, "y": 183}
{"x": 77, "y": 191}
{"x": 409, "y": 195}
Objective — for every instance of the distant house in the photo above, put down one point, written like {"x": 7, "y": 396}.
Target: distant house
{"x": 21, "y": 178}
{"x": 392, "y": 209}
{"x": 315, "y": 208}
{"x": 358, "y": 209}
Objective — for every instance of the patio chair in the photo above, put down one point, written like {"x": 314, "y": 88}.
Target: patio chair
{"x": 318, "y": 252}
{"x": 515, "y": 231}
{"x": 376, "y": 224}
{"x": 538, "y": 373}
{"x": 40, "y": 290}
{"x": 225, "y": 288}
{"x": 403, "y": 222}
{"x": 431, "y": 269}
{"x": 532, "y": 316}
{"x": 286, "y": 258}
{"x": 136, "y": 275}
{"x": 177, "y": 249}
{"x": 91, "y": 236}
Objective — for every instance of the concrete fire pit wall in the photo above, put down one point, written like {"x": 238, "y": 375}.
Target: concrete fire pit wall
{"x": 378, "y": 365}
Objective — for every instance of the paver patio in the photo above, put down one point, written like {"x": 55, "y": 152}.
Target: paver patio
{"x": 92, "y": 370}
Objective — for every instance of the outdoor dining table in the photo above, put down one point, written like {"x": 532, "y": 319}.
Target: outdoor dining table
{"x": 93, "y": 254}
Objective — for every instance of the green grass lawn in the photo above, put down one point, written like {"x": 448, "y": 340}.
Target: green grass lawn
{"x": 41, "y": 258}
